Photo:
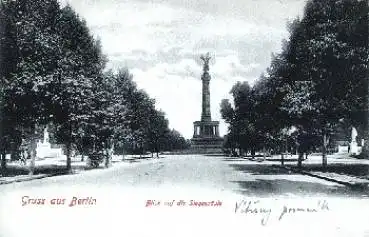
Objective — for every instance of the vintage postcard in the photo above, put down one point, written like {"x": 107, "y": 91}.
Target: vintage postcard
{"x": 184, "y": 118}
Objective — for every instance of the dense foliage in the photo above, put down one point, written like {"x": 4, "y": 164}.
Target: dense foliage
{"x": 318, "y": 83}
{"x": 53, "y": 74}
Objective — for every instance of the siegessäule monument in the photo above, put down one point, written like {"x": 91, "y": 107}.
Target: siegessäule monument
{"x": 206, "y": 137}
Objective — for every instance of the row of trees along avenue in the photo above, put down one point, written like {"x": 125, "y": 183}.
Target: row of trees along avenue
{"x": 53, "y": 74}
{"x": 317, "y": 83}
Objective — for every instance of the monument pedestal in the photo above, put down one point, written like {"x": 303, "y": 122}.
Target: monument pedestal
{"x": 206, "y": 137}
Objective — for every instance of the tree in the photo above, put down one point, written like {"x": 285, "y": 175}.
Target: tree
{"x": 2, "y": 80}
{"x": 52, "y": 73}
{"x": 79, "y": 68}
{"x": 28, "y": 42}
{"x": 175, "y": 141}
{"x": 318, "y": 80}
{"x": 331, "y": 65}
{"x": 243, "y": 131}
{"x": 156, "y": 129}
{"x": 228, "y": 114}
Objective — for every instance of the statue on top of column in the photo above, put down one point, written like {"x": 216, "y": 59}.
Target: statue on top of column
{"x": 206, "y": 58}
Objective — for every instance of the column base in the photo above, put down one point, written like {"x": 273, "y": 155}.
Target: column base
{"x": 206, "y": 145}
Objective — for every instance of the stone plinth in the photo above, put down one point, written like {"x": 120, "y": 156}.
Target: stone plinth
{"x": 206, "y": 137}
{"x": 208, "y": 145}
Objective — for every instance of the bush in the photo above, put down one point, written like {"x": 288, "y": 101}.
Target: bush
{"x": 96, "y": 158}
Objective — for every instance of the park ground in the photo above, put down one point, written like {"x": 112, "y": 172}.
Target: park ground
{"x": 114, "y": 201}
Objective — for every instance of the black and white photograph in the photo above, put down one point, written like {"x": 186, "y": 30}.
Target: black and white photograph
{"x": 155, "y": 118}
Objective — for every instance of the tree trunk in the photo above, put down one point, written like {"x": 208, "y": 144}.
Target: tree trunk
{"x": 82, "y": 157}
{"x": 282, "y": 159}
{"x": 253, "y": 153}
{"x": 33, "y": 154}
{"x": 108, "y": 157}
{"x": 2, "y": 138}
{"x": 69, "y": 159}
{"x": 69, "y": 149}
{"x": 285, "y": 152}
{"x": 299, "y": 160}
{"x": 286, "y": 147}
{"x": 14, "y": 152}
{"x": 324, "y": 151}
{"x": 3, "y": 164}
{"x": 32, "y": 162}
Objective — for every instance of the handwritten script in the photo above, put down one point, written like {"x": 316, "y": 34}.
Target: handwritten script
{"x": 256, "y": 207}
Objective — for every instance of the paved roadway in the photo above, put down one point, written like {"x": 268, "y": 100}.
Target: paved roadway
{"x": 112, "y": 201}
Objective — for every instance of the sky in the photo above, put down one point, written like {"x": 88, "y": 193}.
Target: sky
{"x": 160, "y": 42}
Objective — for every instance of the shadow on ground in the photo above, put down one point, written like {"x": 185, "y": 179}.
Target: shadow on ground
{"x": 284, "y": 186}
{"x": 234, "y": 159}
{"x": 259, "y": 169}
{"x": 131, "y": 161}
{"x": 12, "y": 171}
{"x": 215, "y": 155}
{"x": 60, "y": 168}
{"x": 266, "y": 188}
{"x": 258, "y": 158}
{"x": 358, "y": 170}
